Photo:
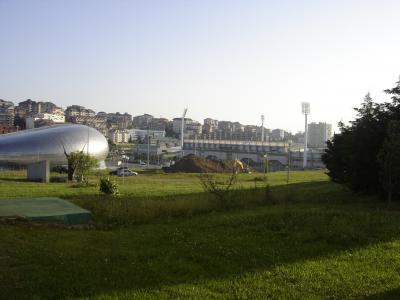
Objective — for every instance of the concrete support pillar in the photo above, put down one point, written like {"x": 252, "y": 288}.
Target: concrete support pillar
{"x": 39, "y": 171}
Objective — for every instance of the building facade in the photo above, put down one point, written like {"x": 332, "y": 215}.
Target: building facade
{"x": 318, "y": 134}
{"x": 192, "y": 128}
{"x": 119, "y": 136}
{"x": 6, "y": 113}
{"x": 99, "y": 123}
{"x": 120, "y": 121}
{"x": 141, "y": 134}
{"x": 142, "y": 121}
{"x": 55, "y": 117}
{"x": 277, "y": 134}
{"x": 78, "y": 111}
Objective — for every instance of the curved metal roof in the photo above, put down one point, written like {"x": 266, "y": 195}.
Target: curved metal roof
{"x": 49, "y": 142}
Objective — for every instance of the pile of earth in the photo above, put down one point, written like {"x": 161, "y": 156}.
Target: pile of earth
{"x": 195, "y": 164}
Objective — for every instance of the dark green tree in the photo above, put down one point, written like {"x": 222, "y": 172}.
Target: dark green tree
{"x": 351, "y": 156}
{"x": 389, "y": 161}
{"x": 19, "y": 122}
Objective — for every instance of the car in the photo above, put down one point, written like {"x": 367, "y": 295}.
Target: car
{"x": 115, "y": 172}
{"x": 126, "y": 172}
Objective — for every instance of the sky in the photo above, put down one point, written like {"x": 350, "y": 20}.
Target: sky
{"x": 224, "y": 59}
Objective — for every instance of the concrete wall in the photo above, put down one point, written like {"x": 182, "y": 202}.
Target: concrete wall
{"x": 39, "y": 171}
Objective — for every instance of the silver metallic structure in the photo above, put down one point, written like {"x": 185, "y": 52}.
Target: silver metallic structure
{"x": 48, "y": 144}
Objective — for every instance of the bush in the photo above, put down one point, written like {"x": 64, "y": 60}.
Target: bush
{"x": 80, "y": 164}
{"x": 60, "y": 169}
{"x": 260, "y": 179}
{"x": 221, "y": 189}
{"x": 108, "y": 186}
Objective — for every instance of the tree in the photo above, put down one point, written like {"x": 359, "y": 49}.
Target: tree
{"x": 351, "y": 156}
{"x": 111, "y": 145}
{"x": 221, "y": 189}
{"x": 389, "y": 161}
{"x": 19, "y": 122}
{"x": 79, "y": 165}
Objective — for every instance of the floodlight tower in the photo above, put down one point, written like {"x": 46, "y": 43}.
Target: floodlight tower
{"x": 262, "y": 128}
{"x": 305, "y": 109}
{"x": 182, "y": 128}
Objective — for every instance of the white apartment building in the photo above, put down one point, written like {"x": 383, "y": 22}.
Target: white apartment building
{"x": 119, "y": 136}
{"x": 141, "y": 134}
{"x": 56, "y": 118}
{"x": 318, "y": 134}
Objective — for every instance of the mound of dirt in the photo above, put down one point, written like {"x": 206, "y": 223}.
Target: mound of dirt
{"x": 195, "y": 164}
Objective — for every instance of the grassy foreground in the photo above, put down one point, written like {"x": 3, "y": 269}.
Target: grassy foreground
{"x": 165, "y": 238}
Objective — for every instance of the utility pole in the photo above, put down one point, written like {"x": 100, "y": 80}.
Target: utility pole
{"x": 262, "y": 128}
{"x": 288, "y": 164}
{"x": 182, "y": 129}
{"x": 195, "y": 142}
{"x": 148, "y": 144}
{"x": 305, "y": 109}
{"x": 265, "y": 156}
{"x": 87, "y": 148}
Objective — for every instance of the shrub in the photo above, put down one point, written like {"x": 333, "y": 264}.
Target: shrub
{"x": 221, "y": 189}
{"x": 260, "y": 179}
{"x": 59, "y": 169}
{"x": 108, "y": 186}
{"x": 80, "y": 164}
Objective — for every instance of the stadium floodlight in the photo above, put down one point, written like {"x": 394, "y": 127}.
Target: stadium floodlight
{"x": 305, "y": 109}
{"x": 182, "y": 129}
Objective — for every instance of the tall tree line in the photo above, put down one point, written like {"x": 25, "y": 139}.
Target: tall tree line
{"x": 365, "y": 155}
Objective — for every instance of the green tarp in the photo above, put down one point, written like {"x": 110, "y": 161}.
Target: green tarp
{"x": 45, "y": 210}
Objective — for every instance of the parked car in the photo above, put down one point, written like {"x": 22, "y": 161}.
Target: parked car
{"x": 126, "y": 172}
{"x": 115, "y": 172}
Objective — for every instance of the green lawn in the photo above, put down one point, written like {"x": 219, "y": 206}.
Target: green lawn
{"x": 165, "y": 238}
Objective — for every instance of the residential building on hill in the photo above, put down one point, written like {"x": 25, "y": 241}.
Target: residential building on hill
{"x": 159, "y": 124}
{"x": 192, "y": 128}
{"x": 141, "y": 134}
{"x": 99, "y": 123}
{"x": 142, "y": 121}
{"x": 318, "y": 134}
{"x": 277, "y": 134}
{"x": 56, "y": 118}
{"x": 119, "y": 136}
{"x": 78, "y": 111}
{"x": 6, "y": 113}
{"x": 27, "y": 108}
{"x": 122, "y": 121}
{"x": 30, "y": 108}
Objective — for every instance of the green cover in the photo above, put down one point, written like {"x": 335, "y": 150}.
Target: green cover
{"x": 45, "y": 210}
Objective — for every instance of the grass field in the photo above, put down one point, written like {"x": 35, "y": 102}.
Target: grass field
{"x": 165, "y": 238}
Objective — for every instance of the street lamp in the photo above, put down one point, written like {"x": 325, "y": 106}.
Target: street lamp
{"x": 266, "y": 163}
{"x": 305, "y": 109}
{"x": 182, "y": 128}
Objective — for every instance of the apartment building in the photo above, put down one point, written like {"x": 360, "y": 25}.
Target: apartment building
{"x": 6, "y": 113}
{"x": 318, "y": 134}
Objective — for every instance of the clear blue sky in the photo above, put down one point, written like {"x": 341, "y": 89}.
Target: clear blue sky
{"x": 232, "y": 60}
